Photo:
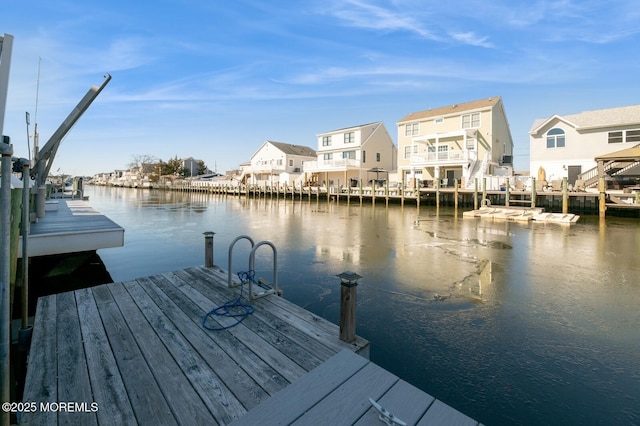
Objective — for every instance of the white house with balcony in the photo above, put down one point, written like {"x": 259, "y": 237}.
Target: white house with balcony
{"x": 276, "y": 163}
{"x": 568, "y": 145}
{"x": 352, "y": 156}
{"x": 461, "y": 141}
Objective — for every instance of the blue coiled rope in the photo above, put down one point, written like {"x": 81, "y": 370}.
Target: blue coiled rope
{"x": 234, "y": 308}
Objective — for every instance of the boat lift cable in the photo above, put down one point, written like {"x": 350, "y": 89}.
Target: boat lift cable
{"x": 235, "y": 308}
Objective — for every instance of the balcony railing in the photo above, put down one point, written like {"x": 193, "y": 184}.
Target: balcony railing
{"x": 339, "y": 164}
{"x": 440, "y": 157}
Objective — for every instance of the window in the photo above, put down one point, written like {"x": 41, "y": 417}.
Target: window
{"x": 349, "y": 137}
{"x": 443, "y": 152}
{"x": 378, "y": 157}
{"x": 326, "y": 141}
{"x": 408, "y": 150}
{"x": 633, "y": 136}
{"x": 624, "y": 136}
{"x": 279, "y": 162}
{"x": 471, "y": 121}
{"x": 328, "y": 156}
{"x": 351, "y": 155}
{"x": 614, "y": 137}
{"x": 471, "y": 144}
{"x": 291, "y": 163}
{"x": 364, "y": 156}
{"x": 412, "y": 129}
{"x": 555, "y": 138}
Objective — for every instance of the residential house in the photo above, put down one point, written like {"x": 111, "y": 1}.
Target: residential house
{"x": 352, "y": 156}
{"x": 192, "y": 167}
{"x": 461, "y": 141}
{"x": 567, "y": 145}
{"x": 276, "y": 163}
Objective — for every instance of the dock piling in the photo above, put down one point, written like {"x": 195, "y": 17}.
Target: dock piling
{"x": 602, "y": 207}
{"x": 565, "y": 197}
{"x": 208, "y": 249}
{"x": 348, "y": 284}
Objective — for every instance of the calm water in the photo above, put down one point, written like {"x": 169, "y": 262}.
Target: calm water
{"x": 509, "y": 323}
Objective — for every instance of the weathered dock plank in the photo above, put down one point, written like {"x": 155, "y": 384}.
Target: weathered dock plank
{"x": 73, "y": 374}
{"x": 41, "y": 383}
{"x": 244, "y": 388}
{"x": 143, "y": 390}
{"x": 106, "y": 383}
{"x": 339, "y": 392}
{"x": 152, "y": 334}
{"x": 138, "y": 350}
{"x": 139, "y": 353}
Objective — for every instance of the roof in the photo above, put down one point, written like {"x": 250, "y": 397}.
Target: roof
{"x": 632, "y": 153}
{"x": 610, "y": 117}
{"x": 453, "y": 109}
{"x": 350, "y": 127}
{"x": 291, "y": 149}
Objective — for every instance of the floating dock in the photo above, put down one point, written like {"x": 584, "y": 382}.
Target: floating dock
{"x": 520, "y": 214}
{"x": 71, "y": 226}
{"x": 136, "y": 353}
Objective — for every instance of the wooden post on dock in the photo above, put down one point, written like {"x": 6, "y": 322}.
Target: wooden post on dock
{"x": 208, "y": 249}
{"x": 402, "y": 190}
{"x": 386, "y": 195}
{"x": 533, "y": 193}
{"x": 455, "y": 194}
{"x": 360, "y": 191}
{"x": 326, "y": 175}
{"x": 436, "y": 182}
{"x": 373, "y": 193}
{"x": 348, "y": 284}
{"x": 484, "y": 190}
{"x": 506, "y": 193}
{"x": 475, "y": 195}
{"x": 637, "y": 199}
{"x": 565, "y": 197}
{"x": 603, "y": 198}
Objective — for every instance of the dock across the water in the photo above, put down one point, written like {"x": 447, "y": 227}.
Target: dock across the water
{"x": 136, "y": 353}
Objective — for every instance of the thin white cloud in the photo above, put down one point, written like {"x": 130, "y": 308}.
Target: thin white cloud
{"x": 364, "y": 15}
{"x": 412, "y": 18}
{"x": 472, "y": 39}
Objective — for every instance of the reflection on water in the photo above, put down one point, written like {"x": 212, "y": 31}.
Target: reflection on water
{"x": 510, "y": 323}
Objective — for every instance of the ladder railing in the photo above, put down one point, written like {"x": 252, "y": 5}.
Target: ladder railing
{"x": 266, "y": 288}
{"x": 230, "y": 282}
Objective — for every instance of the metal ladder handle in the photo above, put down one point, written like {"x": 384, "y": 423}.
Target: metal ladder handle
{"x": 241, "y": 237}
{"x": 252, "y": 258}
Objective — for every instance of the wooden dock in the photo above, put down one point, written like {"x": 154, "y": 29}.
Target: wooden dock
{"x": 71, "y": 226}
{"x": 136, "y": 353}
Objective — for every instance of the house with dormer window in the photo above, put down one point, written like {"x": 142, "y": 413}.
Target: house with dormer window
{"x": 462, "y": 141}
{"x": 352, "y": 156}
{"x": 276, "y": 163}
{"x": 568, "y": 145}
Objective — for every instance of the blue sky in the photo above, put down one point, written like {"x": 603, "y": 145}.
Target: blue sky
{"x": 214, "y": 80}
